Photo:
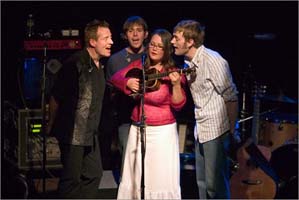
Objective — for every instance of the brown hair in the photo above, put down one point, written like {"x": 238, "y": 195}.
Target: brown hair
{"x": 191, "y": 30}
{"x": 90, "y": 31}
{"x": 134, "y": 20}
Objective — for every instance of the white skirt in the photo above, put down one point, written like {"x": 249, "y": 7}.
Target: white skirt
{"x": 161, "y": 164}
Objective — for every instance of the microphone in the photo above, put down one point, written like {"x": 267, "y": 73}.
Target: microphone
{"x": 143, "y": 58}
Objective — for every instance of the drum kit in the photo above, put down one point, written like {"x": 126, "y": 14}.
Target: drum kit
{"x": 278, "y": 130}
{"x": 279, "y": 125}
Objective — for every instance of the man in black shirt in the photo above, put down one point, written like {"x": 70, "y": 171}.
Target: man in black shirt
{"x": 75, "y": 112}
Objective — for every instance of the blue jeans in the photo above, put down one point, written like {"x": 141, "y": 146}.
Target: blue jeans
{"x": 212, "y": 168}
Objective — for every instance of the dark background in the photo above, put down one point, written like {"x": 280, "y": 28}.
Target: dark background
{"x": 231, "y": 29}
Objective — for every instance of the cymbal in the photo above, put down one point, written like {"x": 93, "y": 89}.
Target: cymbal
{"x": 280, "y": 98}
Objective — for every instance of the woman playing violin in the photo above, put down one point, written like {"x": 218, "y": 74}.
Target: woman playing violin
{"x": 161, "y": 161}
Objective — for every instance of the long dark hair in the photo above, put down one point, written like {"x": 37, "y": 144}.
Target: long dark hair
{"x": 167, "y": 60}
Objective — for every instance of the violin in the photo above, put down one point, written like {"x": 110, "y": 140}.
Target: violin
{"x": 153, "y": 76}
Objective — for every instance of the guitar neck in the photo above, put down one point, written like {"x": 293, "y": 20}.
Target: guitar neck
{"x": 255, "y": 121}
{"x": 156, "y": 76}
{"x": 163, "y": 74}
{"x": 259, "y": 91}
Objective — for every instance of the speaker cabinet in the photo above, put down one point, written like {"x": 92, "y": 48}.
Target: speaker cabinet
{"x": 30, "y": 142}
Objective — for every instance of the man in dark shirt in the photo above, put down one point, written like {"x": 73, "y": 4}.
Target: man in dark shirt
{"x": 75, "y": 111}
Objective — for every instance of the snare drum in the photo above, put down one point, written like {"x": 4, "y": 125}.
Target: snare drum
{"x": 277, "y": 129}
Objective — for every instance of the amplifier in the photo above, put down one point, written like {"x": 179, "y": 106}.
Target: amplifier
{"x": 30, "y": 142}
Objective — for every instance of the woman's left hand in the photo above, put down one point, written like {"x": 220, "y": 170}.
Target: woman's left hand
{"x": 175, "y": 78}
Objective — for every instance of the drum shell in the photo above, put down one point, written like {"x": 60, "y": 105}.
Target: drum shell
{"x": 277, "y": 129}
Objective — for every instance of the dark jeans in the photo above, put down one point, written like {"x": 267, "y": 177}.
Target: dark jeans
{"x": 212, "y": 168}
{"x": 123, "y": 134}
{"x": 82, "y": 171}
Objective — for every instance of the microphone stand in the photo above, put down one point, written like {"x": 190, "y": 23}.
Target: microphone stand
{"x": 43, "y": 88}
{"x": 142, "y": 125}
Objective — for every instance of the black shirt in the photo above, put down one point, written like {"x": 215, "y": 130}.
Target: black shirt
{"x": 79, "y": 91}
